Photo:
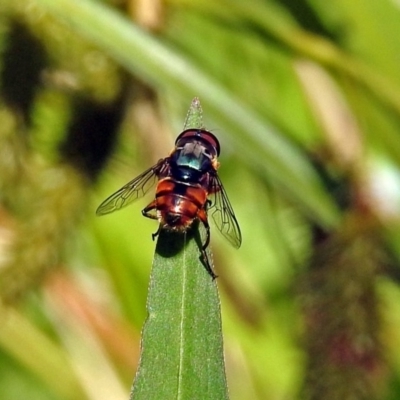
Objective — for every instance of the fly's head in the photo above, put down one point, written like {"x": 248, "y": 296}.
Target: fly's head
{"x": 198, "y": 149}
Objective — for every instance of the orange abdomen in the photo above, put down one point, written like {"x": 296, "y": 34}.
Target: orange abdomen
{"x": 179, "y": 204}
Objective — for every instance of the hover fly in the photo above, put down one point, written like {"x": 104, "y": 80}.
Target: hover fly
{"x": 188, "y": 189}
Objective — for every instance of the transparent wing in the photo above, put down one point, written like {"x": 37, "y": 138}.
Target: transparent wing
{"x": 133, "y": 190}
{"x": 222, "y": 213}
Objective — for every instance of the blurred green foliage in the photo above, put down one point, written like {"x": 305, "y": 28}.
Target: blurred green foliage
{"x": 305, "y": 99}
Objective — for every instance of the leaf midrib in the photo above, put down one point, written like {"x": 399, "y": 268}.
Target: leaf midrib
{"x": 182, "y": 321}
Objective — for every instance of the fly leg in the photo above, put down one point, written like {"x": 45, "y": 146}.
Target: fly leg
{"x": 202, "y": 215}
{"x": 155, "y": 234}
{"x": 149, "y": 213}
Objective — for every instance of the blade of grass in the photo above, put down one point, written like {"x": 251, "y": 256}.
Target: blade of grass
{"x": 25, "y": 343}
{"x": 182, "y": 348}
{"x": 275, "y": 21}
{"x": 139, "y": 52}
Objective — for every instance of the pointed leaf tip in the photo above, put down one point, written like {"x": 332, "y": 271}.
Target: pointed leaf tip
{"x": 194, "y": 117}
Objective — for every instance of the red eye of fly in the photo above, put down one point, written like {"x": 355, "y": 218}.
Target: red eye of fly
{"x": 200, "y": 134}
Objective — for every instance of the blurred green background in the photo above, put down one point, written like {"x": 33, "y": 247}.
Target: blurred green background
{"x": 305, "y": 99}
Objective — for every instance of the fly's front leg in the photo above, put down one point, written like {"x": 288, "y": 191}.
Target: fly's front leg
{"x": 149, "y": 213}
{"x": 155, "y": 234}
{"x": 202, "y": 215}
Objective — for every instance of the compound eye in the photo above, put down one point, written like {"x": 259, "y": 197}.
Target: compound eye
{"x": 206, "y": 137}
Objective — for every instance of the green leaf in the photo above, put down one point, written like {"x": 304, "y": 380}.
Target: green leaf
{"x": 182, "y": 348}
{"x": 194, "y": 117}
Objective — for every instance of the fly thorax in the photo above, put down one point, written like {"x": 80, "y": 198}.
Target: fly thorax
{"x": 186, "y": 174}
{"x": 190, "y": 162}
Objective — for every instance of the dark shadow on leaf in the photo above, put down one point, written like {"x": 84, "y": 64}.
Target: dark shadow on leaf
{"x": 170, "y": 242}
